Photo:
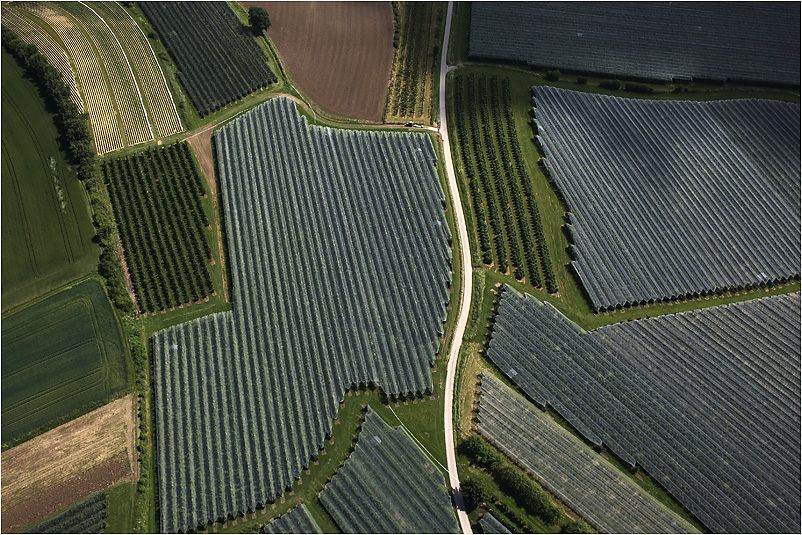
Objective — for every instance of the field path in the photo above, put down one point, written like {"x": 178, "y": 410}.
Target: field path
{"x": 467, "y": 270}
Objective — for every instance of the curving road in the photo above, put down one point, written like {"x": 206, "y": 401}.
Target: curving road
{"x": 467, "y": 271}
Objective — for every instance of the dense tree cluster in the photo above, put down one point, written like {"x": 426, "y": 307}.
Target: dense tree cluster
{"x": 258, "y": 19}
{"x": 527, "y": 492}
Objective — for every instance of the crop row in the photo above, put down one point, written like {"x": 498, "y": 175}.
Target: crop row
{"x": 162, "y": 113}
{"x": 219, "y": 59}
{"x": 123, "y": 89}
{"x": 568, "y": 468}
{"x": 628, "y": 169}
{"x": 124, "y": 86}
{"x": 340, "y": 260}
{"x": 156, "y": 197}
{"x": 677, "y": 41}
{"x": 299, "y": 520}
{"x": 707, "y": 402}
{"x": 388, "y": 485}
{"x": 87, "y": 516}
{"x": 44, "y": 42}
{"x": 499, "y": 186}
{"x": 413, "y": 79}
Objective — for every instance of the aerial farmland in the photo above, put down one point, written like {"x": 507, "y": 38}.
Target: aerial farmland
{"x": 401, "y": 267}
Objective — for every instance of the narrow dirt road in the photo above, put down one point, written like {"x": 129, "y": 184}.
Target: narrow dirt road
{"x": 467, "y": 271}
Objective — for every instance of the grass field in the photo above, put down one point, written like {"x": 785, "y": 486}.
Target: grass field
{"x": 60, "y": 356}
{"x": 46, "y": 226}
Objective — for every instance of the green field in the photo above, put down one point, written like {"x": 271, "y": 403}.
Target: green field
{"x": 61, "y": 356}
{"x": 46, "y": 226}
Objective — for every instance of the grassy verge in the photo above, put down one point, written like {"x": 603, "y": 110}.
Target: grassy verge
{"x": 460, "y": 32}
{"x": 119, "y": 508}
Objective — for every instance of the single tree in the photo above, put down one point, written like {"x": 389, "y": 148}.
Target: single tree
{"x": 258, "y": 19}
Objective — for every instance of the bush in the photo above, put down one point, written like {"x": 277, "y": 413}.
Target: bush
{"x": 638, "y": 88}
{"x": 581, "y": 80}
{"x": 610, "y": 84}
{"x": 480, "y": 451}
{"x": 258, "y": 19}
{"x": 553, "y": 76}
{"x": 680, "y": 89}
{"x": 575, "y": 526}
{"x": 475, "y": 493}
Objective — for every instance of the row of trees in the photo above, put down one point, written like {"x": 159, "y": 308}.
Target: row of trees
{"x": 501, "y": 190}
{"x": 72, "y": 123}
{"x": 414, "y": 58}
{"x": 529, "y": 217}
{"x": 75, "y": 128}
{"x": 477, "y": 202}
{"x": 527, "y": 492}
{"x": 156, "y": 196}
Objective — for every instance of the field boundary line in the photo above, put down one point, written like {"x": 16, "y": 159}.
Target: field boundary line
{"x": 130, "y": 70}
{"x": 172, "y": 100}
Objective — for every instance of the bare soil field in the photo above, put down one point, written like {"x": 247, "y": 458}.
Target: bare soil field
{"x": 339, "y": 53}
{"x": 63, "y": 465}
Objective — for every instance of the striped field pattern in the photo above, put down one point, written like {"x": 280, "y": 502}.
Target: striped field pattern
{"x": 340, "y": 258}
{"x": 706, "y": 401}
{"x": 299, "y": 520}
{"x": 671, "y": 199}
{"x": 568, "y": 468}
{"x": 388, "y": 485}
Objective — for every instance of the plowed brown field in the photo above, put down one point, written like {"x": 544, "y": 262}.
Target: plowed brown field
{"x": 339, "y": 53}
{"x": 49, "y": 472}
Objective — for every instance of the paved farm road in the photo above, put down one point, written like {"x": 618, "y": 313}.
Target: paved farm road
{"x": 467, "y": 271}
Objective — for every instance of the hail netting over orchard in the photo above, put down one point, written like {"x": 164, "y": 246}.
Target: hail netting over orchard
{"x": 670, "y": 199}
{"x": 340, "y": 258}
{"x": 610, "y": 501}
{"x": 388, "y": 485}
{"x": 707, "y": 402}
{"x": 749, "y": 41}
{"x": 299, "y": 520}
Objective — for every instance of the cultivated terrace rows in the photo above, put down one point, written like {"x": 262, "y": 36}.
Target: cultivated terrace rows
{"x": 219, "y": 59}
{"x": 388, "y": 485}
{"x": 707, "y": 402}
{"x": 671, "y": 199}
{"x": 679, "y": 41}
{"x": 340, "y": 260}
{"x": 569, "y": 469}
{"x": 122, "y": 85}
{"x": 299, "y": 520}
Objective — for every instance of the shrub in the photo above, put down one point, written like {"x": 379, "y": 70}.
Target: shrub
{"x": 575, "y": 526}
{"x": 553, "y": 76}
{"x": 638, "y": 88}
{"x": 475, "y": 493}
{"x": 481, "y": 452}
{"x": 581, "y": 80}
{"x": 610, "y": 84}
